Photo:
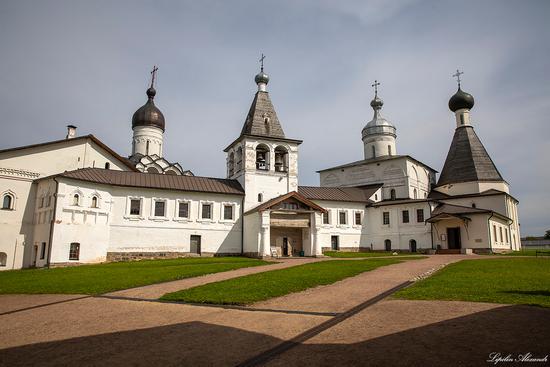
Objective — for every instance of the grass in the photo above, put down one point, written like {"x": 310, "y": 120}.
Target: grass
{"x": 526, "y": 253}
{"x": 345, "y": 255}
{"x": 275, "y": 283}
{"x": 103, "y": 278}
{"x": 506, "y": 280}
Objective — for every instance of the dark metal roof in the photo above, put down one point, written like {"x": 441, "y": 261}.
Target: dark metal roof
{"x": 377, "y": 159}
{"x": 123, "y": 160}
{"x": 443, "y": 210}
{"x": 350, "y": 194}
{"x": 262, "y": 119}
{"x": 149, "y": 114}
{"x": 467, "y": 160}
{"x": 156, "y": 181}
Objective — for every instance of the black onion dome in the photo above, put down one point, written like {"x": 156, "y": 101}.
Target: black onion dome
{"x": 149, "y": 114}
{"x": 461, "y": 100}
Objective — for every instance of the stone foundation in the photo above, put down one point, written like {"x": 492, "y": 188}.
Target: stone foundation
{"x": 131, "y": 256}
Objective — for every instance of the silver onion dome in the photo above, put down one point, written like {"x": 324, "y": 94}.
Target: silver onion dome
{"x": 261, "y": 77}
{"x": 379, "y": 125}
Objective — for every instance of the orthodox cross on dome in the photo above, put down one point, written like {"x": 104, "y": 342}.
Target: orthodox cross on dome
{"x": 262, "y": 61}
{"x": 375, "y": 85}
{"x": 153, "y": 75}
{"x": 457, "y": 76}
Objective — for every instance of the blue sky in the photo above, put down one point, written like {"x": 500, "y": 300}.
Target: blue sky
{"x": 88, "y": 62}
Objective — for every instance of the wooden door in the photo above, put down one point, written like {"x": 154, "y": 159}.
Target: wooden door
{"x": 195, "y": 247}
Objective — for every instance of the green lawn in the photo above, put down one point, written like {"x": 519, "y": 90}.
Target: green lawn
{"x": 344, "y": 254}
{"x": 276, "y": 283}
{"x": 103, "y": 278}
{"x": 506, "y": 280}
{"x": 525, "y": 253}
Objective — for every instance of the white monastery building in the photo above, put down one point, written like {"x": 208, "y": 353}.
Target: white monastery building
{"x": 75, "y": 200}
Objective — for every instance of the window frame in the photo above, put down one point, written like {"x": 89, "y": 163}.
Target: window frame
{"x": 177, "y": 216}
{"x": 420, "y": 218}
{"x": 340, "y": 212}
{"x": 76, "y": 199}
{"x": 154, "y": 202}
{"x": 201, "y": 211}
{"x": 233, "y": 207}
{"x": 72, "y": 257}
{"x": 326, "y": 215}
{"x": 407, "y": 216}
{"x": 43, "y": 251}
{"x": 386, "y": 218}
{"x": 355, "y": 213}
{"x": 129, "y": 214}
{"x": 11, "y": 197}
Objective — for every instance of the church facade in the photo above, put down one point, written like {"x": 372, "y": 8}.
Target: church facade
{"x": 75, "y": 200}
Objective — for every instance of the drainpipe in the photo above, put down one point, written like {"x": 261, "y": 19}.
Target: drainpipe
{"x": 242, "y": 225}
{"x": 52, "y": 222}
{"x": 489, "y": 228}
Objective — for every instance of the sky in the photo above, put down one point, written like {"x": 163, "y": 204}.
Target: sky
{"x": 88, "y": 63}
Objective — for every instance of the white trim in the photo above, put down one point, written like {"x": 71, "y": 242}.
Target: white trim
{"x": 13, "y": 199}
{"x": 222, "y": 212}
{"x": 177, "y": 218}
{"x": 199, "y": 216}
{"x": 139, "y": 216}
{"x": 362, "y": 215}
{"x": 154, "y": 217}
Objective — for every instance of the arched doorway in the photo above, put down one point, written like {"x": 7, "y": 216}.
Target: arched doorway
{"x": 387, "y": 245}
{"x": 412, "y": 245}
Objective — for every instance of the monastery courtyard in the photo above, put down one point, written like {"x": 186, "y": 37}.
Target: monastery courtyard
{"x": 355, "y": 321}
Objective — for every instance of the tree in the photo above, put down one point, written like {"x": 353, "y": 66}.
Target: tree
{"x": 547, "y": 234}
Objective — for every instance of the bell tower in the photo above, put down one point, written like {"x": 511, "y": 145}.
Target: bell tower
{"x": 262, "y": 158}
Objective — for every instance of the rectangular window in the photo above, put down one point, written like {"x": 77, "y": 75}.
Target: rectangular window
{"x": 342, "y": 216}
{"x": 43, "y": 251}
{"x": 135, "y": 206}
{"x": 74, "y": 251}
{"x": 159, "y": 208}
{"x": 228, "y": 212}
{"x": 386, "y": 217}
{"x": 49, "y": 202}
{"x": 41, "y": 203}
{"x": 326, "y": 218}
{"x": 405, "y": 216}
{"x": 206, "y": 211}
{"x": 495, "y": 232}
{"x": 507, "y": 235}
{"x": 357, "y": 218}
{"x": 420, "y": 215}
{"x": 500, "y": 232}
{"x": 183, "y": 210}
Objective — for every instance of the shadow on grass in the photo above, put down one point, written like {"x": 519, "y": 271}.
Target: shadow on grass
{"x": 529, "y": 293}
{"x": 466, "y": 341}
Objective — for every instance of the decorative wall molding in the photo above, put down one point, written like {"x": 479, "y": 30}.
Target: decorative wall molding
{"x": 18, "y": 172}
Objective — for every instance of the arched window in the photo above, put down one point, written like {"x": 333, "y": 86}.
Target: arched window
{"x": 281, "y": 159}
{"x": 260, "y": 198}
{"x": 387, "y": 245}
{"x": 94, "y": 202}
{"x": 107, "y": 165}
{"x": 373, "y": 151}
{"x": 152, "y": 170}
{"x": 375, "y": 196}
{"x": 392, "y": 194}
{"x": 76, "y": 199}
{"x": 262, "y": 157}
{"x": 170, "y": 172}
{"x": 389, "y": 149}
{"x": 7, "y": 202}
{"x": 231, "y": 164}
{"x": 239, "y": 159}
{"x": 415, "y": 194}
{"x": 3, "y": 258}
{"x": 474, "y": 205}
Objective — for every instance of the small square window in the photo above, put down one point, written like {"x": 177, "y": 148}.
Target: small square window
{"x": 386, "y": 217}
{"x": 405, "y": 216}
{"x": 183, "y": 210}
{"x": 159, "y": 208}
{"x": 135, "y": 206}
{"x": 228, "y": 212}
{"x": 206, "y": 211}
{"x": 342, "y": 217}
{"x": 357, "y": 218}
{"x": 74, "y": 251}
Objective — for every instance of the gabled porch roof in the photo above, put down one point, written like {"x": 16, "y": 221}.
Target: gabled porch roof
{"x": 294, "y": 195}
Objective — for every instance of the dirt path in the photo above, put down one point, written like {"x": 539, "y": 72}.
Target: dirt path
{"x": 347, "y": 293}
{"x": 155, "y": 291}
